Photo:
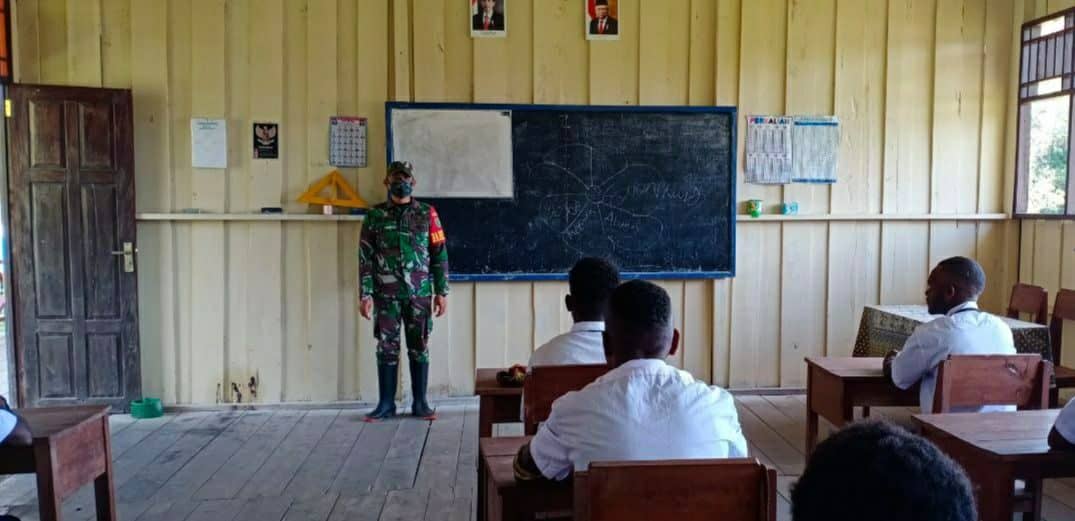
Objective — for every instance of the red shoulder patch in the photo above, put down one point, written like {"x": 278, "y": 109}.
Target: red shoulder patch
{"x": 436, "y": 231}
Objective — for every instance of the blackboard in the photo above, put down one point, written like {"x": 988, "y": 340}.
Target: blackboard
{"x": 650, "y": 188}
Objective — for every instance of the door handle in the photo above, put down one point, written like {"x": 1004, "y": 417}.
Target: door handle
{"x": 127, "y": 252}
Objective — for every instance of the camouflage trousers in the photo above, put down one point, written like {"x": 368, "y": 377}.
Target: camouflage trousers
{"x": 414, "y": 316}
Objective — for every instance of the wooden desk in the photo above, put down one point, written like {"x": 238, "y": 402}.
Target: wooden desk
{"x": 835, "y": 386}
{"x": 996, "y": 449}
{"x": 497, "y": 404}
{"x": 71, "y": 448}
{"x": 501, "y": 498}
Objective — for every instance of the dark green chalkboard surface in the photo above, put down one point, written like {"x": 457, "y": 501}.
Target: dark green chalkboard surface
{"x": 651, "y": 188}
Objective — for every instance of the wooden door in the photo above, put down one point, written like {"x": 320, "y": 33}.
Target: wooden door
{"x": 71, "y": 199}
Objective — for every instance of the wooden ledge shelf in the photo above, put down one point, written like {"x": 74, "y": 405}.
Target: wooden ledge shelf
{"x": 263, "y": 217}
{"x": 743, "y": 218}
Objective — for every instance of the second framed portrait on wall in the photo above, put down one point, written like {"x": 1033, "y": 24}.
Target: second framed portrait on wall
{"x": 602, "y": 20}
{"x": 488, "y": 18}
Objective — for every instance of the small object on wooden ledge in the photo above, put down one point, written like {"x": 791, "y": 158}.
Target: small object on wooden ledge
{"x": 272, "y": 209}
{"x": 754, "y": 207}
{"x": 789, "y": 208}
{"x": 513, "y": 377}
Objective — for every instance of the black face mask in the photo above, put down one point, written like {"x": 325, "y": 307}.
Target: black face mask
{"x": 400, "y": 188}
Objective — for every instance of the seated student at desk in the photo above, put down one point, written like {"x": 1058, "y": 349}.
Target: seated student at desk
{"x": 590, "y": 282}
{"x": 879, "y": 472}
{"x": 1062, "y": 435}
{"x": 643, "y": 408}
{"x": 13, "y": 431}
{"x": 952, "y": 290}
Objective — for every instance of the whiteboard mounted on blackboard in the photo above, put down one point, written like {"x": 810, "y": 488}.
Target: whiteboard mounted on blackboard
{"x": 455, "y": 153}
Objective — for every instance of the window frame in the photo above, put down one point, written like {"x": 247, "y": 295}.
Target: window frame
{"x": 1049, "y": 64}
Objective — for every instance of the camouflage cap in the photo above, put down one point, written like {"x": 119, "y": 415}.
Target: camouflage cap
{"x": 404, "y": 167}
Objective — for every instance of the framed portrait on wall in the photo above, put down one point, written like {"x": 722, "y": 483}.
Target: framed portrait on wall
{"x": 602, "y": 19}
{"x": 488, "y": 18}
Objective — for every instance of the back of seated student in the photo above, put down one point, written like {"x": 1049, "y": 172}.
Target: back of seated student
{"x": 875, "y": 471}
{"x": 642, "y": 409}
{"x": 590, "y": 282}
{"x": 952, "y": 290}
{"x": 13, "y": 429}
{"x": 1062, "y": 435}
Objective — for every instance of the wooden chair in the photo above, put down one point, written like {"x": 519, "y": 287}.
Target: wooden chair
{"x": 1063, "y": 309}
{"x": 684, "y": 490}
{"x": 71, "y": 448}
{"x": 545, "y": 384}
{"x": 1029, "y": 299}
{"x": 978, "y": 380}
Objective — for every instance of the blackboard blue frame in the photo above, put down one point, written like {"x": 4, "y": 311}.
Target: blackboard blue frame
{"x": 667, "y": 275}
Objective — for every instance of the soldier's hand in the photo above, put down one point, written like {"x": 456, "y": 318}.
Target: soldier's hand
{"x": 365, "y": 307}
{"x": 440, "y": 305}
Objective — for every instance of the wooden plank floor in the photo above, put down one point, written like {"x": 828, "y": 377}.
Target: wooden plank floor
{"x": 318, "y": 465}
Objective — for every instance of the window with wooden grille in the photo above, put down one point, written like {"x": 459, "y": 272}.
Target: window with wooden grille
{"x": 1043, "y": 185}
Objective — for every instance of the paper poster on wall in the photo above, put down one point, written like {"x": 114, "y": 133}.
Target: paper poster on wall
{"x": 815, "y": 146}
{"x": 266, "y": 141}
{"x": 208, "y": 143}
{"x": 347, "y": 141}
{"x": 768, "y": 150}
{"x": 488, "y": 18}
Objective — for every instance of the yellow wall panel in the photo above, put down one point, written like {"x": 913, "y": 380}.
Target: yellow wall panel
{"x": 224, "y": 302}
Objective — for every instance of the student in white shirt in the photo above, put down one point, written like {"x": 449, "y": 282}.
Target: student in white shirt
{"x": 1062, "y": 435}
{"x": 590, "y": 281}
{"x": 13, "y": 429}
{"x": 642, "y": 409}
{"x": 952, "y": 290}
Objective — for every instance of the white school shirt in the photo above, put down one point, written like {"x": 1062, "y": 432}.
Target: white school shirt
{"x": 581, "y": 345}
{"x": 1065, "y": 422}
{"x": 963, "y": 331}
{"x": 7, "y": 424}
{"x": 642, "y": 410}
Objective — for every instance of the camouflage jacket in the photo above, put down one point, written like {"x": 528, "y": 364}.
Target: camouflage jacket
{"x": 402, "y": 252}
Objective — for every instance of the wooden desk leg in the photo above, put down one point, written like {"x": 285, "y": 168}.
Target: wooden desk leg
{"x": 482, "y": 516}
{"x": 995, "y": 493}
{"x": 811, "y": 416}
{"x": 48, "y": 503}
{"x": 102, "y": 486}
{"x": 485, "y": 417}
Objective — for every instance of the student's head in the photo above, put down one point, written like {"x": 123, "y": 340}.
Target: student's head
{"x": 954, "y": 281}
{"x": 591, "y": 281}
{"x": 877, "y": 471}
{"x": 601, "y": 8}
{"x": 399, "y": 179}
{"x": 638, "y": 323}
{"x": 488, "y": 5}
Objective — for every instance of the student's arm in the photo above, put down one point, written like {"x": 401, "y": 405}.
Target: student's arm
{"x": 525, "y": 468}
{"x": 920, "y": 354}
{"x": 13, "y": 429}
{"x": 548, "y": 452}
{"x": 1058, "y": 441}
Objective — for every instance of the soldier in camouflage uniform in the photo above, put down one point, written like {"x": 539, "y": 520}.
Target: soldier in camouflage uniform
{"x": 403, "y": 267}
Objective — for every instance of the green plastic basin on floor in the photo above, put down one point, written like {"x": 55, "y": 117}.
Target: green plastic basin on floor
{"x": 147, "y": 408}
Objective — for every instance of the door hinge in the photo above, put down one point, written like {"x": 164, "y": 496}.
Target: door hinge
{"x": 7, "y": 108}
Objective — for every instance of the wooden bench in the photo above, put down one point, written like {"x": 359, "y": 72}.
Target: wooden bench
{"x": 71, "y": 448}
{"x": 685, "y": 490}
{"x": 1063, "y": 310}
{"x": 545, "y": 384}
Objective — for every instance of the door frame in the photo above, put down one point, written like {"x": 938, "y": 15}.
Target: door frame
{"x": 5, "y": 224}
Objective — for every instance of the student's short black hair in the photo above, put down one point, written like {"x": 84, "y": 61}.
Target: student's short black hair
{"x": 880, "y": 472}
{"x": 642, "y": 306}
{"x": 591, "y": 282}
{"x": 966, "y": 271}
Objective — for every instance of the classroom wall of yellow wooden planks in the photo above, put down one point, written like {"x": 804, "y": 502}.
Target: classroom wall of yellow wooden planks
{"x": 921, "y": 86}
